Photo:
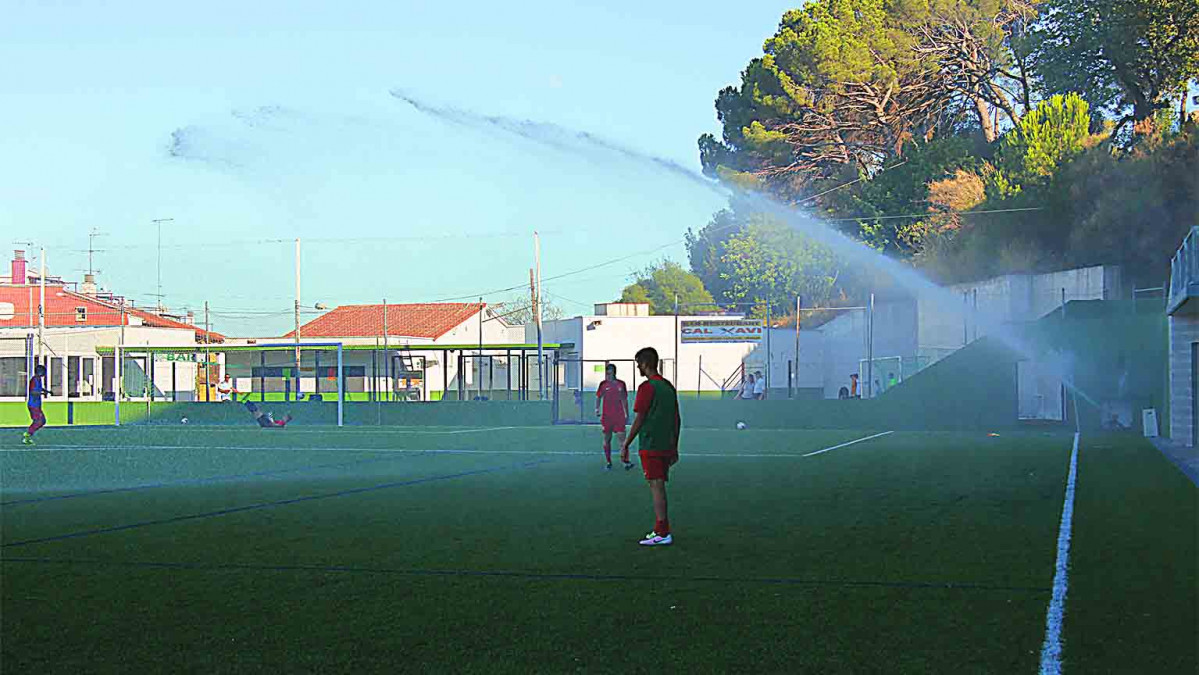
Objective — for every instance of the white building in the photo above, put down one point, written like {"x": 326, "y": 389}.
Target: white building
{"x": 75, "y": 338}
{"x": 1182, "y": 308}
{"x": 692, "y": 349}
{"x": 421, "y": 351}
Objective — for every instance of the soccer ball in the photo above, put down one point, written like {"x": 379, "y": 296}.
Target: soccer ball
{"x": 741, "y": 426}
{"x": 183, "y": 421}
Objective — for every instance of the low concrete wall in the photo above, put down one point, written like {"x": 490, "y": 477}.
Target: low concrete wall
{"x": 446, "y": 413}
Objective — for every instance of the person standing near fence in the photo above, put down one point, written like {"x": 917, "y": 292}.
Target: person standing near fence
{"x": 747, "y": 388}
{"x": 225, "y": 391}
{"x": 37, "y": 389}
{"x": 612, "y": 407}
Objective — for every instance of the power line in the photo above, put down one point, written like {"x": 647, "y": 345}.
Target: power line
{"x": 320, "y": 240}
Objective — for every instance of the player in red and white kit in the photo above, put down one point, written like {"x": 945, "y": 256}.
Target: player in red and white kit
{"x": 37, "y": 389}
{"x": 612, "y": 407}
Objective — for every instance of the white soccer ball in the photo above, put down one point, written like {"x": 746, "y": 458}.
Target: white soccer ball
{"x": 183, "y": 421}
{"x": 741, "y": 426}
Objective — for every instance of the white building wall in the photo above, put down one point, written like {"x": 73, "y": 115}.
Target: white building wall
{"x": 64, "y": 344}
{"x": 961, "y": 315}
{"x": 914, "y": 334}
{"x": 617, "y": 338}
{"x": 1184, "y": 332}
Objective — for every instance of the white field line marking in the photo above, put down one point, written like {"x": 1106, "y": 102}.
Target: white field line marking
{"x": 331, "y": 430}
{"x": 1051, "y": 649}
{"x": 859, "y": 440}
{"x": 440, "y": 451}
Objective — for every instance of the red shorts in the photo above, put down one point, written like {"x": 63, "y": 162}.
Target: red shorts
{"x": 36, "y": 415}
{"x": 615, "y": 426}
{"x": 657, "y": 467}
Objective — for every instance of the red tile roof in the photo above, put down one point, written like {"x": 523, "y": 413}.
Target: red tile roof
{"x": 61, "y": 305}
{"x": 420, "y": 320}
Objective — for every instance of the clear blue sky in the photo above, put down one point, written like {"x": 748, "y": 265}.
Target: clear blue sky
{"x": 93, "y": 92}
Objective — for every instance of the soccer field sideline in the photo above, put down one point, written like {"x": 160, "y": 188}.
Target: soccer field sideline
{"x": 257, "y": 506}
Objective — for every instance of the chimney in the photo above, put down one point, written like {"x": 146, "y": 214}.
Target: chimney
{"x": 18, "y": 268}
{"x": 191, "y": 317}
{"x": 88, "y": 287}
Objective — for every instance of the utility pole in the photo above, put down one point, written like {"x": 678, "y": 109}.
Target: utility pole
{"x": 537, "y": 315}
{"x": 159, "y": 223}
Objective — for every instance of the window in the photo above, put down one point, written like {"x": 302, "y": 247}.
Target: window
{"x": 81, "y": 315}
{"x": 12, "y": 376}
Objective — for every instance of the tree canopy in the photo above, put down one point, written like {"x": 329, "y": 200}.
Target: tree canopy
{"x": 661, "y": 284}
{"x": 1129, "y": 58}
{"x": 968, "y": 137}
{"x": 752, "y": 261}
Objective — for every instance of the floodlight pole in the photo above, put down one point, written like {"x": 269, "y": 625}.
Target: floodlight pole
{"x": 158, "y": 222}
{"x": 386, "y": 355}
{"x": 41, "y": 310}
{"x": 480, "y": 359}
{"x": 870, "y": 348}
{"x": 675, "y": 376}
{"x": 798, "y": 313}
{"x": 341, "y": 394}
{"x": 207, "y": 355}
{"x": 297, "y": 313}
{"x": 768, "y": 361}
{"x": 120, "y": 367}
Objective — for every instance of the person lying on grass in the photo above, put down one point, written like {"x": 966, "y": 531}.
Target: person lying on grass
{"x": 266, "y": 420}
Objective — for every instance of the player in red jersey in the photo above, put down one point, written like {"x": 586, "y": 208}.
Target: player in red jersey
{"x": 612, "y": 407}
{"x": 657, "y": 425}
{"x": 37, "y": 389}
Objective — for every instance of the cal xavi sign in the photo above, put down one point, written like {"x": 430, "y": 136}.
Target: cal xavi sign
{"x": 720, "y": 330}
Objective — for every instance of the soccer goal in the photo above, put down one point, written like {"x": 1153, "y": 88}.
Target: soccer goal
{"x": 210, "y": 384}
{"x": 576, "y": 381}
{"x": 880, "y": 374}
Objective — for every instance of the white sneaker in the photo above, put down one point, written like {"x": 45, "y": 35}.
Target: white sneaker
{"x": 654, "y": 539}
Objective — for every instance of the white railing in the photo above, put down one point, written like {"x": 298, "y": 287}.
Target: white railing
{"x": 1184, "y": 271}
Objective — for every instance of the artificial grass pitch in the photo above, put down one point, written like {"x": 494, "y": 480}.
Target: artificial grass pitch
{"x": 511, "y": 550}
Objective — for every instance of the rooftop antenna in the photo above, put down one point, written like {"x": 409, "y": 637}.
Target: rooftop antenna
{"x": 159, "y": 222}
{"x": 92, "y": 250}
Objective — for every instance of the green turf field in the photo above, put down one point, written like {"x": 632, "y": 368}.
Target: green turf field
{"x": 509, "y": 549}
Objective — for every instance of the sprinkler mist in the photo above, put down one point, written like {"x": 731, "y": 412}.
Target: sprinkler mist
{"x": 588, "y": 145}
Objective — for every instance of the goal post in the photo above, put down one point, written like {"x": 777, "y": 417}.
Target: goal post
{"x": 186, "y": 384}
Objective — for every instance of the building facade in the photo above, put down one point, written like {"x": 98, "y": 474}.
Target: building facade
{"x": 1182, "y": 311}
{"x": 74, "y": 334}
